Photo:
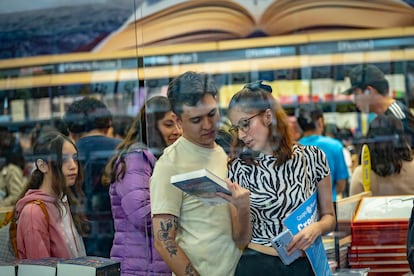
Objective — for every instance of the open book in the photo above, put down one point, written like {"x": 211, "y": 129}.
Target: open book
{"x": 167, "y": 22}
{"x": 203, "y": 184}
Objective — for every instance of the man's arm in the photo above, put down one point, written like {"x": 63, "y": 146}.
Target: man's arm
{"x": 165, "y": 231}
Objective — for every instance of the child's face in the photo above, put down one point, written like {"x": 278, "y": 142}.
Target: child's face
{"x": 69, "y": 163}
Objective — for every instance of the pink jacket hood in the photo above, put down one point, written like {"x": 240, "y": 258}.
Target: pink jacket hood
{"x": 34, "y": 195}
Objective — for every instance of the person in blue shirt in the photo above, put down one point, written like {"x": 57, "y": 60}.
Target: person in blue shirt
{"x": 312, "y": 125}
{"x": 89, "y": 121}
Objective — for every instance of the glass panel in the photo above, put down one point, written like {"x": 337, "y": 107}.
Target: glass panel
{"x": 126, "y": 52}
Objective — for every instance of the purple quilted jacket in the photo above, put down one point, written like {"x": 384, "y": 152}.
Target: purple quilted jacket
{"x": 133, "y": 242}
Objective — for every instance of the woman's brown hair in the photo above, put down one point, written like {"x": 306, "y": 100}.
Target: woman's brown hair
{"x": 256, "y": 97}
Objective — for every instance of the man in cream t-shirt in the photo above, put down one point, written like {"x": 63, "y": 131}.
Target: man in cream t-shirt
{"x": 193, "y": 238}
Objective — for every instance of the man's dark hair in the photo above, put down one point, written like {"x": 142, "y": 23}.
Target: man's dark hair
{"x": 87, "y": 114}
{"x": 189, "y": 88}
{"x": 307, "y": 119}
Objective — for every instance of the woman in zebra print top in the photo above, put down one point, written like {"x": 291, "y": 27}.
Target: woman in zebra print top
{"x": 280, "y": 175}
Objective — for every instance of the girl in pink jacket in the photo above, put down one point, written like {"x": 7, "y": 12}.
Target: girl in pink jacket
{"x": 56, "y": 174}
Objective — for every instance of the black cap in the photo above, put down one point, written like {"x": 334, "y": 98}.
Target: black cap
{"x": 363, "y": 75}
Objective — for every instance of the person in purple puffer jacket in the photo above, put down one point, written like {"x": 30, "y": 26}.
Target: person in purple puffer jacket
{"x": 128, "y": 173}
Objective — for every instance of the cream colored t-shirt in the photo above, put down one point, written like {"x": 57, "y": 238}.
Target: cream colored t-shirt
{"x": 204, "y": 231}
{"x": 396, "y": 184}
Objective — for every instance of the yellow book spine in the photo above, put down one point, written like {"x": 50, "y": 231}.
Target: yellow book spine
{"x": 366, "y": 168}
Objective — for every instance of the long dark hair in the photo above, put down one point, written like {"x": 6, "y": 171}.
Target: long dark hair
{"x": 48, "y": 147}
{"x": 144, "y": 130}
{"x": 258, "y": 98}
{"x": 388, "y": 145}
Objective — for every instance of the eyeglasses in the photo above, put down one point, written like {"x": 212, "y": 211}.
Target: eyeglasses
{"x": 243, "y": 125}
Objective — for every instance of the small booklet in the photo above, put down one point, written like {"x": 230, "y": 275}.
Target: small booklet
{"x": 280, "y": 243}
{"x": 203, "y": 184}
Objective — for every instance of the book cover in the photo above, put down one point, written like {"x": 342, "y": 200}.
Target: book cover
{"x": 8, "y": 268}
{"x": 305, "y": 214}
{"x": 39, "y": 267}
{"x": 384, "y": 208}
{"x": 89, "y": 266}
{"x": 183, "y": 21}
{"x": 203, "y": 184}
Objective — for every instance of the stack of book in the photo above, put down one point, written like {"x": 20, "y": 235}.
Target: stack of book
{"x": 82, "y": 266}
{"x": 343, "y": 249}
{"x": 379, "y": 232}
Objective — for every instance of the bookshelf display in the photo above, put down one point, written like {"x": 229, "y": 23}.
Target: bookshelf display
{"x": 302, "y": 69}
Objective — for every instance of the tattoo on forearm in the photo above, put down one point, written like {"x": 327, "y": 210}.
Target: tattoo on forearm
{"x": 163, "y": 235}
{"x": 190, "y": 271}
